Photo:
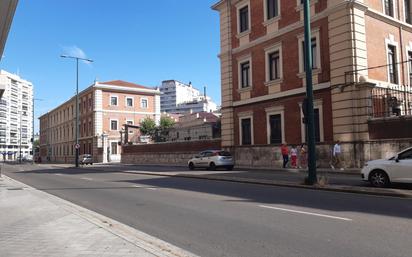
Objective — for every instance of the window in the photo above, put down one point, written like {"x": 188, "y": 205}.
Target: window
{"x": 246, "y": 131}
{"x": 392, "y": 65}
{"x": 275, "y": 123}
{"x": 113, "y": 100}
{"x": 405, "y": 155}
{"x": 408, "y": 14}
{"x": 113, "y": 124}
{"x": 144, "y": 103}
{"x": 274, "y": 67}
{"x": 313, "y": 52}
{"x": 129, "y": 101}
{"x": 272, "y": 9}
{"x": 114, "y": 147}
{"x": 244, "y": 19}
{"x": 245, "y": 74}
{"x": 388, "y": 5}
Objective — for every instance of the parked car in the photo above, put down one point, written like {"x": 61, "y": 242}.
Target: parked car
{"x": 212, "y": 159}
{"x": 381, "y": 173}
{"x": 86, "y": 159}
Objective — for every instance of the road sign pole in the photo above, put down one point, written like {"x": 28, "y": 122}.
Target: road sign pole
{"x": 309, "y": 94}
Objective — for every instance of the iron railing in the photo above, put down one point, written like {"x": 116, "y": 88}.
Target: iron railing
{"x": 392, "y": 101}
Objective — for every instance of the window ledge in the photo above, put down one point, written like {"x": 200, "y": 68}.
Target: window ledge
{"x": 314, "y": 72}
{"x": 244, "y": 33}
{"x": 271, "y": 21}
{"x": 274, "y": 82}
{"x": 244, "y": 89}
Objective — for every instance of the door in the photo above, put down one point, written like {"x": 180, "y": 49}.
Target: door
{"x": 199, "y": 160}
{"x": 403, "y": 168}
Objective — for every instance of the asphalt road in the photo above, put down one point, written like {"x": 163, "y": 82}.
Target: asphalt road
{"x": 212, "y": 218}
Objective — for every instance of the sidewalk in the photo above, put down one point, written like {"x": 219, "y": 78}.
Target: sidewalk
{"x": 34, "y": 223}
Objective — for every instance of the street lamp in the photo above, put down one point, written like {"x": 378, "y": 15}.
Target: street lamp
{"x": 77, "y": 101}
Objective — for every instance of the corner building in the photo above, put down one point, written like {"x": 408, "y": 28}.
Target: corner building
{"x": 104, "y": 108}
{"x": 362, "y": 58}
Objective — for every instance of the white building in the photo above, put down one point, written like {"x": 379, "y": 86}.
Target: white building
{"x": 16, "y": 116}
{"x": 177, "y": 97}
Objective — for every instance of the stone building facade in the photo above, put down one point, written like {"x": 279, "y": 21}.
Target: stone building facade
{"x": 362, "y": 56}
{"x": 104, "y": 108}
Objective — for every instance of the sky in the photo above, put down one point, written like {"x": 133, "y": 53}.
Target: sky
{"x": 143, "y": 42}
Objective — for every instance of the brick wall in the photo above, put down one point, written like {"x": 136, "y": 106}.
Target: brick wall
{"x": 397, "y": 127}
{"x": 166, "y": 153}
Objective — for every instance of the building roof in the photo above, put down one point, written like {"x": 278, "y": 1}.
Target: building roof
{"x": 123, "y": 84}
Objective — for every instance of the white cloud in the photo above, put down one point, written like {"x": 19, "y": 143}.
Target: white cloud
{"x": 75, "y": 52}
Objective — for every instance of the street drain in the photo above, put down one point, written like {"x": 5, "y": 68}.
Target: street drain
{"x": 15, "y": 188}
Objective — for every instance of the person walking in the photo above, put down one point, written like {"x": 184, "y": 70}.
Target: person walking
{"x": 285, "y": 154}
{"x": 294, "y": 156}
{"x": 337, "y": 156}
{"x": 303, "y": 156}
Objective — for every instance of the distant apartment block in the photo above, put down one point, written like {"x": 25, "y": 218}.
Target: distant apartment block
{"x": 104, "y": 108}
{"x": 177, "y": 97}
{"x": 7, "y": 10}
{"x": 16, "y": 116}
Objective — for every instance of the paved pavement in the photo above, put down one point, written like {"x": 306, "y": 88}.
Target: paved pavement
{"x": 34, "y": 223}
{"x": 222, "y": 218}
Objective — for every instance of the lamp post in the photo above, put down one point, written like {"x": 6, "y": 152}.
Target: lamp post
{"x": 309, "y": 94}
{"x": 77, "y": 101}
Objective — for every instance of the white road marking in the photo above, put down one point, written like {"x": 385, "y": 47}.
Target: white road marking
{"x": 58, "y": 174}
{"x": 86, "y": 178}
{"x": 151, "y": 188}
{"x": 304, "y": 212}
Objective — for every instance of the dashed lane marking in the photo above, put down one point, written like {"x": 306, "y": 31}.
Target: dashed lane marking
{"x": 306, "y": 213}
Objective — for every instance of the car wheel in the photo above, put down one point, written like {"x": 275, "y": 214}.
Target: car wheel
{"x": 191, "y": 166}
{"x": 229, "y": 168}
{"x": 212, "y": 166}
{"x": 379, "y": 178}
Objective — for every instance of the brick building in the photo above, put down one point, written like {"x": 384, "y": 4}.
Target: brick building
{"x": 362, "y": 58}
{"x": 104, "y": 108}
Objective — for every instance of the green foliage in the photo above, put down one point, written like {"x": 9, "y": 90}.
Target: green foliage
{"x": 157, "y": 133}
{"x": 148, "y": 127}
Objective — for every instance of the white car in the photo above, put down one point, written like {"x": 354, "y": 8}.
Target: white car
{"x": 381, "y": 173}
{"x": 212, "y": 159}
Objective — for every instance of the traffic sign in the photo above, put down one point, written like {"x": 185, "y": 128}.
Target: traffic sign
{"x": 77, "y": 146}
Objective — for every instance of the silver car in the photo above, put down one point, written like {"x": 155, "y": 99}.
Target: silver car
{"x": 212, "y": 159}
{"x": 86, "y": 159}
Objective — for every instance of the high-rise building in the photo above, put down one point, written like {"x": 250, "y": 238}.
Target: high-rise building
{"x": 177, "y": 97}
{"x": 16, "y": 116}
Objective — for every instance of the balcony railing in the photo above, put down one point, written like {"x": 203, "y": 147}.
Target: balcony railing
{"x": 394, "y": 101}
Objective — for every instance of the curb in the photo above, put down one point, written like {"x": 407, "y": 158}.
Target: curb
{"x": 145, "y": 242}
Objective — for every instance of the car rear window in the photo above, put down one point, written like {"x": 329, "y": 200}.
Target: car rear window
{"x": 224, "y": 153}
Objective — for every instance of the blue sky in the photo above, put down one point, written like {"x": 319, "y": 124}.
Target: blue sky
{"x": 138, "y": 41}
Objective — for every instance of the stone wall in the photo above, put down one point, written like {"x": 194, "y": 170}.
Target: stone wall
{"x": 355, "y": 154}
{"x": 177, "y": 153}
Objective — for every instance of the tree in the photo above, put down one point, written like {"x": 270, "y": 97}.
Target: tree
{"x": 148, "y": 127}
{"x": 165, "y": 124}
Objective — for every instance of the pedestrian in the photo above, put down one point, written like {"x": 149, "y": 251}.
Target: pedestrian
{"x": 285, "y": 154}
{"x": 337, "y": 156}
{"x": 303, "y": 156}
{"x": 294, "y": 156}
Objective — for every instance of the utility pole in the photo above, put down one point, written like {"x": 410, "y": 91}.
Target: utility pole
{"x": 309, "y": 95}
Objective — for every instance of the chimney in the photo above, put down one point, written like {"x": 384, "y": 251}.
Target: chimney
{"x": 204, "y": 91}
